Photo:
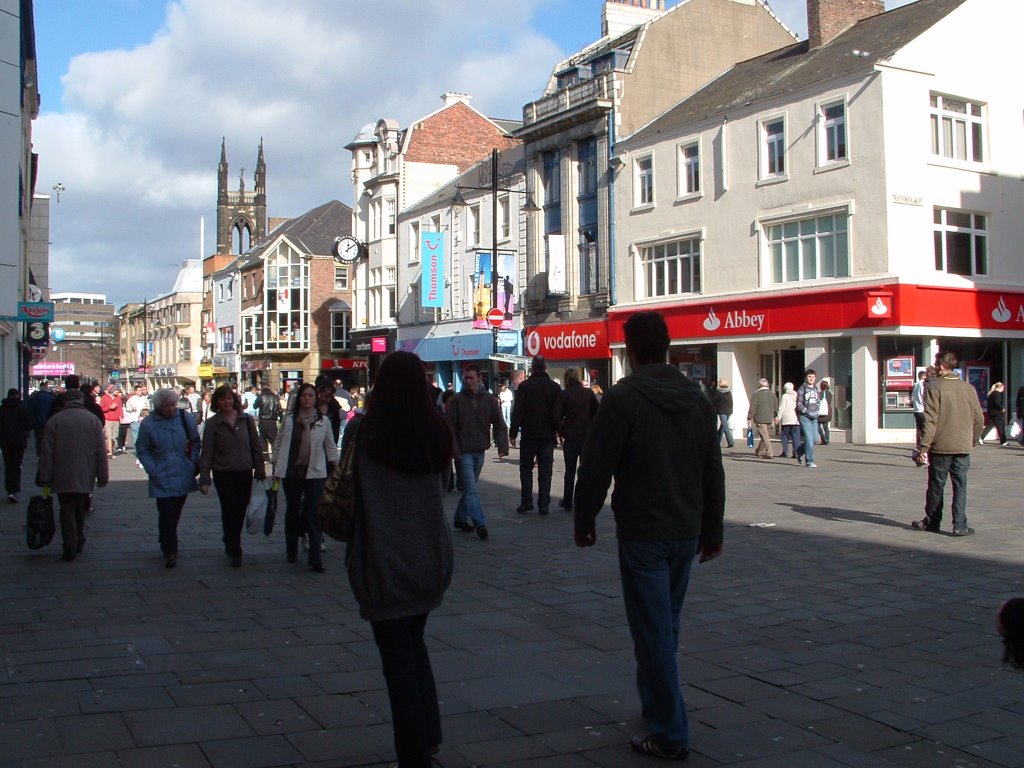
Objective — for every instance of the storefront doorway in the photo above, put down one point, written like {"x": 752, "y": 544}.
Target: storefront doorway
{"x": 782, "y": 365}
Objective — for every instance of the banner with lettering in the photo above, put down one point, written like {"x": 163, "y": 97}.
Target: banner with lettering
{"x": 432, "y": 271}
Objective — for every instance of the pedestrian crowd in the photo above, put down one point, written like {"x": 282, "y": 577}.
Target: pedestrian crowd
{"x": 655, "y": 436}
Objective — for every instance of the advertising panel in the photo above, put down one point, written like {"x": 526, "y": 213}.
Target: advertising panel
{"x": 482, "y": 288}
{"x": 432, "y": 269}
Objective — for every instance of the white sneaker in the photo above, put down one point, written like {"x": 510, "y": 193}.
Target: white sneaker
{"x": 811, "y": 465}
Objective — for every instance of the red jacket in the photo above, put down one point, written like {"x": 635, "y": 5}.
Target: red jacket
{"x": 112, "y": 407}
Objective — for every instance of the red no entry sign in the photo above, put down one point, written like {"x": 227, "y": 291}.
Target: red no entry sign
{"x": 495, "y": 317}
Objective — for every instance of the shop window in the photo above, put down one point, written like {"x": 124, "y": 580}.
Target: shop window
{"x": 810, "y": 248}
{"x": 961, "y": 242}
{"x": 670, "y": 269}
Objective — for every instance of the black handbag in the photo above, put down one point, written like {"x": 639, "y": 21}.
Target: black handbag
{"x": 40, "y": 525}
{"x": 337, "y": 507}
{"x": 271, "y": 513}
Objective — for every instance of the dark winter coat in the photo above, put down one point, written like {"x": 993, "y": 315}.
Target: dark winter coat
{"x": 574, "y": 410}
{"x": 15, "y": 423}
{"x": 531, "y": 411}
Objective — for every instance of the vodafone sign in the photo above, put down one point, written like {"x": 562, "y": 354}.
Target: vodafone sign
{"x": 568, "y": 341}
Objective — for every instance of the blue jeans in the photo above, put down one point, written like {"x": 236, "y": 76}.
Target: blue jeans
{"x": 543, "y": 452}
{"x": 790, "y": 434}
{"x": 469, "y": 466}
{"x": 654, "y": 578}
{"x": 941, "y": 466}
{"x": 809, "y": 432}
{"x": 723, "y": 429}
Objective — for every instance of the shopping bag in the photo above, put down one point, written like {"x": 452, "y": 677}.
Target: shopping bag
{"x": 257, "y": 509}
{"x": 271, "y": 512}
{"x": 39, "y": 523}
{"x": 750, "y": 437}
{"x": 1014, "y": 430}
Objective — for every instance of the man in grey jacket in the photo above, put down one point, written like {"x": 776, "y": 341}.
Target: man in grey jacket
{"x": 73, "y": 457}
{"x": 953, "y": 422}
{"x": 473, "y": 413}
{"x": 657, "y": 435}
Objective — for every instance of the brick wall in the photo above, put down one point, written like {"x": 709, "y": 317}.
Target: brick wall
{"x": 828, "y": 18}
{"x": 458, "y": 136}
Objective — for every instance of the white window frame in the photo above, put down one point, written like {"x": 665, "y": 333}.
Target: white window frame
{"x": 343, "y": 283}
{"x": 800, "y": 241}
{"x": 643, "y": 181}
{"x": 664, "y": 262}
{"x": 689, "y": 181}
{"x": 827, "y": 128}
{"x": 943, "y": 124}
{"x": 414, "y": 242}
{"x": 390, "y": 208}
{"x": 977, "y": 235}
{"x": 769, "y": 147}
{"x": 504, "y": 217}
{"x": 473, "y": 225}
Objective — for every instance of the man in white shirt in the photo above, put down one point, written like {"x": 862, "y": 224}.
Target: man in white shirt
{"x": 137, "y": 403}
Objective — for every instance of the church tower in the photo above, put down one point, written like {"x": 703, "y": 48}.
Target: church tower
{"x": 241, "y": 215}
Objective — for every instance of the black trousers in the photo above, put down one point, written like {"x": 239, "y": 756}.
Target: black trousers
{"x": 571, "y": 450}
{"x": 169, "y": 513}
{"x": 13, "y": 456}
{"x": 73, "y": 507}
{"x": 233, "y": 491}
{"x": 122, "y": 435}
{"x": 543, "y": 453}
{"x": 415, "y": 715}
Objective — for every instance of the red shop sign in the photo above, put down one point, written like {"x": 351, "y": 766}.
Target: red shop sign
{"x": 568, "y": 341}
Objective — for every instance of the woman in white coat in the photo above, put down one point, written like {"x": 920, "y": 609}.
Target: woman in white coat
{"x": 304, "y": 454}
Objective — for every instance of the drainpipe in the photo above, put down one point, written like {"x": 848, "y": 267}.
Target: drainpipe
{"x": 611, "y": 208}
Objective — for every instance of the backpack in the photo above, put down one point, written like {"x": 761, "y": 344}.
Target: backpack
{"x": 267, "y": 407}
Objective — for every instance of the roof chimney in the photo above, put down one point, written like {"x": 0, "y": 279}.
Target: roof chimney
{"x": 827, "y": 19}
{"x": 451, "y": 97}
{"x": 619, "y": 16}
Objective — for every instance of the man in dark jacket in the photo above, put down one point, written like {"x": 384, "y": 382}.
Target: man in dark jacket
{"x": 721, "y": 399}
{"x": 574, "y": 409}
{"x": 15, "y": 425}
{"x": 473, "y": 413}
{"x": 72, "y": 386}
{"x": 656, "y": 434}
{"x": 39, "y": 404}
{"x": 268, "y": 412}
{"x": 531, "y": 413}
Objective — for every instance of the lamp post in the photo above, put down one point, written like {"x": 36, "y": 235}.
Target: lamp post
{"x": 459, "y": 202}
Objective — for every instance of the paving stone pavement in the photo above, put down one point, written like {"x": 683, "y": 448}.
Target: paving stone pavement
{"x": 832, "y": 636}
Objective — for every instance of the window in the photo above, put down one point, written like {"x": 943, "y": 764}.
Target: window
{"x": 808, "y": 249}
{"x": 552, "y": 193}
{"x": 643, "y": 181}
{"x": 504, "y": 225}
{"x": 589, "y": 256}
{"x": 961, "y": 242}
{"x": 230, "y": 290}
{"x": 689, "y": 169}
{"x": 341, "y": 324}
{"x": 833, "y": 123}
{"x": 473, "y": 225}
{"x": 773, "y": 163}
{"x": 390, "y": 203}
{"x": 227, "y": 339}
{"x": 341, "y": 278}
{"x": 286, "y": 305}
{"x": 435, "y": 223}
{"x": 671, "y": 268}
{"x": 414, "y": 242}
{"x": 186, "y": 349}
{"x": 957, "y": 129}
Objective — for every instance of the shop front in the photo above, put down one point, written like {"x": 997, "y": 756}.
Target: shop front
{"x": 350, "y": 371}
{"x": 445, "y": 356}
{"x": 583, "y": 346}
{"x": 867, "y": 342}
{"x": 256, "y": 372}
{"x": 373, "y": 345}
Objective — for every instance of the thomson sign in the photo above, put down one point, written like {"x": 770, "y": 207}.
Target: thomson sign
{"x": 568, "y": 341}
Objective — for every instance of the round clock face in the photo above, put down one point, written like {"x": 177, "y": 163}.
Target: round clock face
{"x": 34, "y": 293}
{"x": 346, "y": 249}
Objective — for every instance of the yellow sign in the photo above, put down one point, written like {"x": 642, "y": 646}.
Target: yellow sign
{"x": 205, "y": 371}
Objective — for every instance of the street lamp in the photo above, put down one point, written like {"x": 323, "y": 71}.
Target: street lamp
{"x": 459, "y": 202}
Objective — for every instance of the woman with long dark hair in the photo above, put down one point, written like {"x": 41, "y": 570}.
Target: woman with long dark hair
{"x": 233, "y": 453}
{"x": 401, "y": 551}
{"x": 305, "y": 446}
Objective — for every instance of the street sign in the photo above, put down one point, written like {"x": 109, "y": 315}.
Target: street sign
{"x": 57, "y": 334}
{"x": 495, "y": 317}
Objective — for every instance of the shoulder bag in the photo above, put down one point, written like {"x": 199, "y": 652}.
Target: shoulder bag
{"x": 337, "y": 507}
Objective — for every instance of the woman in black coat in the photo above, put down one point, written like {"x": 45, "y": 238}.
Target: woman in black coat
{"x": 15, "y": 425}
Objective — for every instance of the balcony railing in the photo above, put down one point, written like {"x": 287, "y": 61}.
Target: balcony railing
{"x": 582, "y": 94}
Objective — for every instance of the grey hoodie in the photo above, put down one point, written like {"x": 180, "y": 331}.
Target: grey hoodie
{"x": 656, "y": 434}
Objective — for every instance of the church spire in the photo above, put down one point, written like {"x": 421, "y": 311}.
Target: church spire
{"x": 261, "y": 175}
{"x": 222, "y": 173}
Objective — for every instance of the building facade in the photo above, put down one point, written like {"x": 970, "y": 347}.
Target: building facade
{"x": 647, "y": 59}
{"x": 784, "y": 217}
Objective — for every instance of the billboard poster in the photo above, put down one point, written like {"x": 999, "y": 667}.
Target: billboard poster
{"x": 481, "y": 287}
{"x": 432, "y": 269}
{"x": 556, "y": 264}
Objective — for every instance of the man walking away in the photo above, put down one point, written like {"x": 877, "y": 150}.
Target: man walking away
{"x": 721, "y": 399}
{"x": 531, "y": 412}
{"x": 268, "y": 410}
{"x": 656, "y": 434}
{"x": 39, "y": 404}
{"x": 953, "y": 422}
{"x": 761, "y": 415}
{"x": 15, "y": 424}
{"x": 573, "y": 412}
{"x": 473, "y": 414}
{"x": 112, "y": 407}
{"x": 917, "y": 403}
{"x": 74, "y": 457}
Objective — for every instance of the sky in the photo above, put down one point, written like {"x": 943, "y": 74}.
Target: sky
{"x": 137, "y": 94}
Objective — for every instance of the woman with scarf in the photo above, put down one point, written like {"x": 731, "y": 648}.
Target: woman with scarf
{"x": 304, "y": 450}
